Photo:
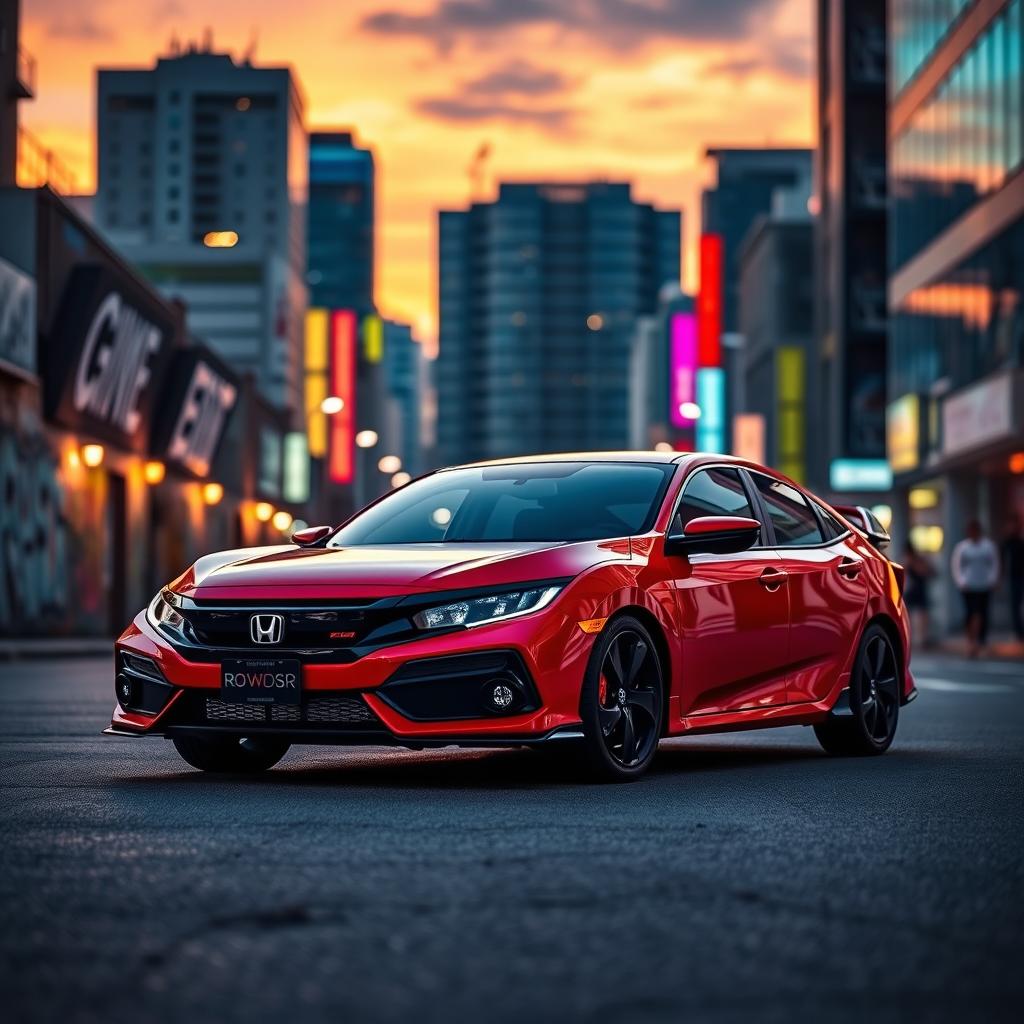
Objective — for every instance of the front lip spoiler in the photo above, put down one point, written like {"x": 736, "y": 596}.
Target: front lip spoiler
{"x": 363, "y": 737}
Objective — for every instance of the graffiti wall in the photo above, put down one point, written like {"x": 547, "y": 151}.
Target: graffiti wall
{"x": 34, "y": 535}
{"x": 52, "y": 541}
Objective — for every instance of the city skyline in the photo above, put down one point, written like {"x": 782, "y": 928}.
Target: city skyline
{"x": 557, "y": 90}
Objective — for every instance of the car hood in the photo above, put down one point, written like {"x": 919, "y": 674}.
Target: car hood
{"x": 386, "y": 570}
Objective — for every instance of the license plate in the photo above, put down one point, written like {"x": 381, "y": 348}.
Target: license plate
{"x": 261, "y": 681}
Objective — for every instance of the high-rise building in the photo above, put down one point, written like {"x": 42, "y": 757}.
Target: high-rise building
{"x": 539, "y": 293}
{"x": 17, "y": 82}
{"x": 849, "y": 357}
{"x": 776, "y": 321}
{"x": 745, "y": 182}
{"x": 202, "y": 175}
{"x": 955, "y": 418}
{"x": 662, "y": 373}
{"x": 340, "y": 229}
{"x": 406, "y": 384}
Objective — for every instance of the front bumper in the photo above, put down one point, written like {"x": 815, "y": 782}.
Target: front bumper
{"x": 382, "y": 690}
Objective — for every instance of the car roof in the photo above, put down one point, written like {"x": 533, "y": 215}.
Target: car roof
{"x": 622, "y": 456}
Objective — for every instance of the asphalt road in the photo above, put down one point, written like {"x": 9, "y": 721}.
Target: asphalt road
{"x": 749, "y": 877}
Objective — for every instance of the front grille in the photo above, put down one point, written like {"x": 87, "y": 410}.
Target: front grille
{"x": 333, "y": 710}
{"x": 221, "y": 711}
{"x": 338, "y": 709}
{"x": 323, "y": 629}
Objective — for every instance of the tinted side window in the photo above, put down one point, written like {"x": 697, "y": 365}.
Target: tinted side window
{"x": 714, "y": 492}
{"x": 833, "y": 528}
{"x": 792, "y": 517}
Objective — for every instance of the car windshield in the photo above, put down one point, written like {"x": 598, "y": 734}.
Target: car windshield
{"x": 545, "y": 501}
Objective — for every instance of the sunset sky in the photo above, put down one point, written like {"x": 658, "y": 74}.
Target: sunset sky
{"x": 561, "y": 89}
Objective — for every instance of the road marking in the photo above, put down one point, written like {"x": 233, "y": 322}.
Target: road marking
{"x": 1015, "y": 670}
{"x": 952, "y": 686}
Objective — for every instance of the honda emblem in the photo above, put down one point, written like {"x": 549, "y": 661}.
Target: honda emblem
{"x": 266, "y": 629}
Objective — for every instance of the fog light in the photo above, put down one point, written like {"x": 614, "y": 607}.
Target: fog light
{"x": 502, "y": 696}
{"x": 125, "y": 690}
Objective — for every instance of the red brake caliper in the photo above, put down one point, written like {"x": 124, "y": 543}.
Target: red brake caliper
{"x": 602, "y": 690}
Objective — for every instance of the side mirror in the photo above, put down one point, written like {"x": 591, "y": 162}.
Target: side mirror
{"x": 311, "y": 536}
{"x": 718, "y": 535}
{"x": 867, "y": 522}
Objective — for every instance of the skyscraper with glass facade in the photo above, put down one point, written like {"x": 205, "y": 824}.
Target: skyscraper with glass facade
{"x": 340, "y": 230}
{"x": 539, "y": 292}
{"x": 848, "y": 354}
{"x": 955, "y": 418}
{"x": 746, "y": 181}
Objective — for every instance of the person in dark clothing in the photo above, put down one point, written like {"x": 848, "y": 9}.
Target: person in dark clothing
{"x": 915, "y": 594}
{"x": 1013, "y": 564}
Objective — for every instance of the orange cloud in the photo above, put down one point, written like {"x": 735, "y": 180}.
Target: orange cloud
{"x": 562, "y": 89}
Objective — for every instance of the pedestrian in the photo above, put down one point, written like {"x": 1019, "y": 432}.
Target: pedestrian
{"x": 1013, "y": 566}
{"x": 975, "y": 572}
{"x": 915, "y": 595}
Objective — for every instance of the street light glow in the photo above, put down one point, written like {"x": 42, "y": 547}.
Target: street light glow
{"x": 220, "y": 239}
{"x": 92, "y": 455}
{"x": 264, "y": 510}
{"x": 366, "y": 438}
{"x": 212, "y": 492}
{"x": 400, "y": 479}
{"x": 389, "y": 464}
{"x": 689, "y": 410}
{"x": 153, "y": 471}
{"x": 282, "y": 520}
{"x": 332, "y": 404}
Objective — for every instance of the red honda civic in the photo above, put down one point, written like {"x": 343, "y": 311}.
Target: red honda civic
{"x": 593, "y": 603}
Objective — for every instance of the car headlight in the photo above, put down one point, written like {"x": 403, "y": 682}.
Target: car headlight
{"x": 163, "y": 612}
{"x": 476, "y": 611}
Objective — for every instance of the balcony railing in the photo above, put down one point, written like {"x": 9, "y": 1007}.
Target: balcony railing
{"x": 38, "y": 166}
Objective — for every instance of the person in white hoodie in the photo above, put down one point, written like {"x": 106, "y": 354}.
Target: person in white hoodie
{"x": 976, "y": 572}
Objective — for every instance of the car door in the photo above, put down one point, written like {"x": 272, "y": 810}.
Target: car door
{"x": 827, "y": 587}
{"x": 732, "y": 609}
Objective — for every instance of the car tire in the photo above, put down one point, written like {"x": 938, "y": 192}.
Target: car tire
{"x": 874, "y": 698}
{"x": 622, "y": 702}
{"x": 234, "y": 754}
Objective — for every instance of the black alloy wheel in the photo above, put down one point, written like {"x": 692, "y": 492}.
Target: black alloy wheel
{"x": 874, "y": 700}
{"x": 622, "y": 701}
{"x": 230, "y": 753}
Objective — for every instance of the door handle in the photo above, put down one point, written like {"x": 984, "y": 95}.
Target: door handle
{"x": 771, "y": 579}
{"x": 849, "y": 568}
